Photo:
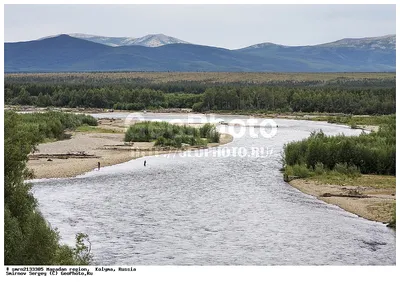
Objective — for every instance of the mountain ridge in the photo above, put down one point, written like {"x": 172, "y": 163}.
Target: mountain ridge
{"x": 165, "y": 40}
{"x": 66, "y": 53}
{"x": 344, "y": 42}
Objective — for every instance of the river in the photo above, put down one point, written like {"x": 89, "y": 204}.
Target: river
{"x": 221, "y": 206}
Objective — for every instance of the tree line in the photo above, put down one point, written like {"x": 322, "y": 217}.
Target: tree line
{"x": 349, "y": 100}
{"x": 197, "y": 82}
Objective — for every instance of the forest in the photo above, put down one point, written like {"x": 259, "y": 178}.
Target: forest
{"x": 349, "y": 95}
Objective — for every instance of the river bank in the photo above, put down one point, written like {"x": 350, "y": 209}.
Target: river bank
{"x": 369, "y": 202}
{"x": 105, "y": 144}
{"x": 371, "y": 196}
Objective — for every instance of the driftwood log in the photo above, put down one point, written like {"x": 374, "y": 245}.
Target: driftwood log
{"x": 345, "y": 195}
{"x": 75, "y": 155}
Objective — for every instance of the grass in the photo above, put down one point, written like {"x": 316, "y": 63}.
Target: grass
{"x": 351, "y": 120}
{"x": 392, "y": 223}
{"x": 365, "y": 180}
{"x": 384, "y": 210}
{"x": 361, "y": 119}
{"x": 96, "y": 129}
{"x": 49, "y": 140}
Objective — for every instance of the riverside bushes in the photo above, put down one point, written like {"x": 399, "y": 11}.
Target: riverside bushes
{"x": 167, "y": 134}
{"x": 52, "y": 125}
{"x": 373, "y": 153}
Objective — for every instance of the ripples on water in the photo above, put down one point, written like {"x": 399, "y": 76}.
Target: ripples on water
{"x": 211, "y": 211}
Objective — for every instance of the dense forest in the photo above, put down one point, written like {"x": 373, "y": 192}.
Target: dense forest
{"x": 358, "y": 79}
{"x": 349, "y": 96}
{"x": 28, "y": 239}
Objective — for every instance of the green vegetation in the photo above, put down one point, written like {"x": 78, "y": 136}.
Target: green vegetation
{"x": 359, "y": 94}
{"x": 52, "y": 125}
{"x": 190, "y": 78}
{"x": 363, "y": 180}
{"x": 360, "y": 120}
{"x": 28, "y": 239}
{"x": 166, "y": 134}
{"x": 373, "y": 153}
{"x": 297, "y": 170}
{"x": 339, "y": 175}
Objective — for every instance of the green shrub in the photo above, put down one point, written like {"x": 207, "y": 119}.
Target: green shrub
{"x": 210, "y": 132}
{"x": 319, "y": 168}
{"x": 197, "y": 107}
{"x": 289, "y": 170}
{"x": 297, "y": 170}
{"x": 352, "y": 170}
{"x": 341, "y": 168}
{"x": 160, "y": 141}
{"x": 353, "y": 125}
{"x": 301, "y": 171}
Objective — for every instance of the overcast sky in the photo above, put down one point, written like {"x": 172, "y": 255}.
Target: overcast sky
{"x": 227, "y": 26}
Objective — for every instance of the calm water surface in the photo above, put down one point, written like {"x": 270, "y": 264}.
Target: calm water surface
{"x": 207, "y": 209}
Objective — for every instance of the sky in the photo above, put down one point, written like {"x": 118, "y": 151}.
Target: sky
{"x": 226, "y": 26}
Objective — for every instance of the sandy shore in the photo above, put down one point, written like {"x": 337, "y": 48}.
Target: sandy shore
{"x": 371, "y": 203}
{"x": 107, "y": 148}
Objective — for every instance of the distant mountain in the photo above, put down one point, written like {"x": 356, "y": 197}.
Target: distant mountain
{"x": 150, "y": 40}
{"x": 155, "y": 40}
{"x": 387, "y": 42}
{"x": 262, "y": 45}
{"x": 65, "y": 53}
{"x": 350, "y": 54}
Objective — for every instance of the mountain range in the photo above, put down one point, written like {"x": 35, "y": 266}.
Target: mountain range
{"x": 150, "y": 40}
{"x": 158, "y": 52}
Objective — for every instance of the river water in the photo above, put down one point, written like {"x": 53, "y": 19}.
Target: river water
{"x": 214, "y": 207}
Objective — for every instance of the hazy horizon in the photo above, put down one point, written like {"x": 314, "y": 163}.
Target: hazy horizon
{"x": 225, "y": 26}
